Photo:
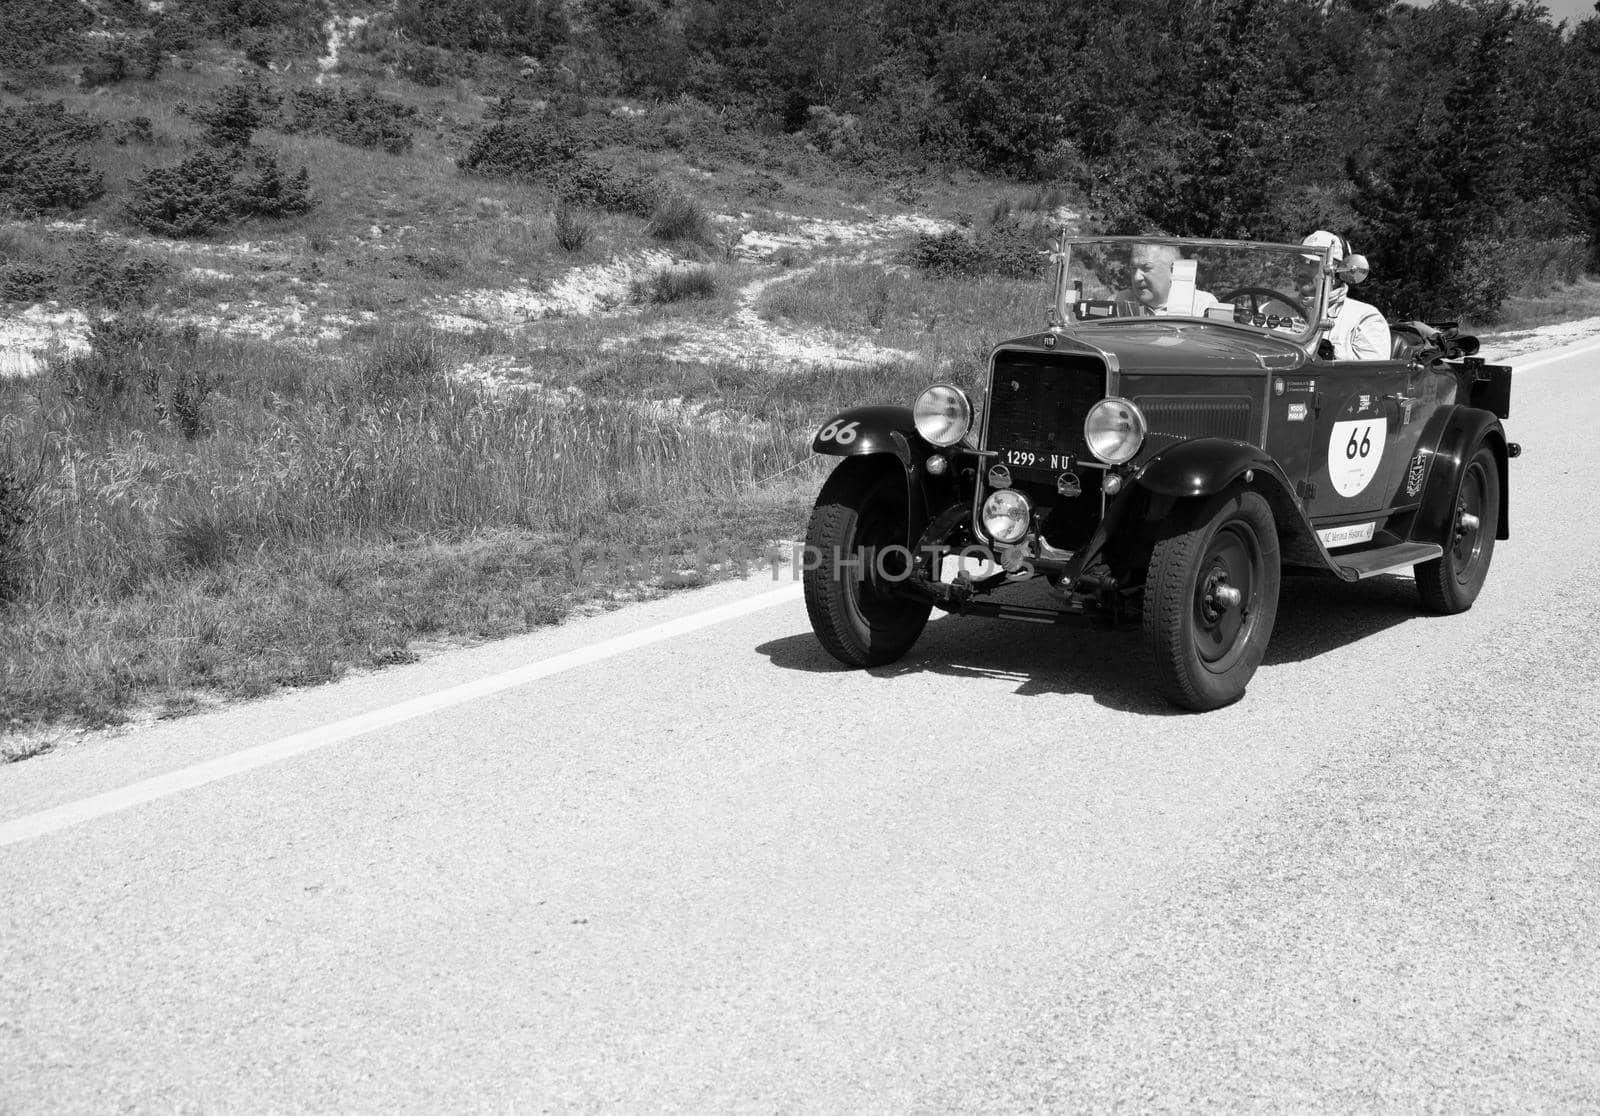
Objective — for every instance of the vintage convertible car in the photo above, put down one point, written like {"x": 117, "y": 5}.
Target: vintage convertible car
{"x": 1165, "y": 456}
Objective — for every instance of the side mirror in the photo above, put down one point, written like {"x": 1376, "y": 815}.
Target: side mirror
{"x": 1352, "y": 269}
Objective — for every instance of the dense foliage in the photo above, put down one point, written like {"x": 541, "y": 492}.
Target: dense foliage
{"x": 1457, "y": 144}
{"x": 44, "y": 162}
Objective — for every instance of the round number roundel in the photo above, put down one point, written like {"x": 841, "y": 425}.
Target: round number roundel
{"x": 1355, "y": 450}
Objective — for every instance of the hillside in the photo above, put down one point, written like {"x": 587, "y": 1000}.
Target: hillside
{"x": 438, "y": 405}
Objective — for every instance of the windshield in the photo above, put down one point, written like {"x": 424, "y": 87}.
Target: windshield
{"x": 1269, "y": 287}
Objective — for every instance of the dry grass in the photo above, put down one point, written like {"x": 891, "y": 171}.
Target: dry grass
{"x": 1561, "y": 304}
{"x": 326, "y": 511}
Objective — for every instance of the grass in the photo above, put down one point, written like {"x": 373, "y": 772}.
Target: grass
{"x": 1566, "y": 303}
{"x": 328, "y": 510}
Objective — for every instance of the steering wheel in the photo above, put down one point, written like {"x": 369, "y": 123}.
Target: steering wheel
{"x": 1257, "y": 302}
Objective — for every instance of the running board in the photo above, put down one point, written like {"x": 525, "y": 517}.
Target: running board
{"x": 1388, "y": 559}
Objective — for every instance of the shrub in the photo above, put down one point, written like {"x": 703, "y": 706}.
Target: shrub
{"x": 677, "y": 284}
{"x": 360, "y": 119}
{"x": 678, "y": 217}
{"x": 572, "y": 228}
{"x": 947, "y": 253}
{"x": 40, "y": 33}
{"x": 25, "y": 281}
{"x": 43, "y": 165}
{"x": 16, "y": 513}
{"x": 194, "y": 198}
{"x": 111, "y": 276}
{"x": 122, "y": 358}
{"x": 537, "y": 150}
{"x": 585, "y": 182}
{"x": 239, "y": 111}
{"x": 403, "y": 364}
{"x": 109, "y": 67}
{"x": 269, "y": 193}
{"x": 202, "y": 194}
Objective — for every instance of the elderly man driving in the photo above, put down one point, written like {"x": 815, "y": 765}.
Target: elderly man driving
{"x": 1152, "y": 285}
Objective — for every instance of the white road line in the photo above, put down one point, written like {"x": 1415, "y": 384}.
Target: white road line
{"x": 187, "y": 778}
{"x": 1532, "y": 364}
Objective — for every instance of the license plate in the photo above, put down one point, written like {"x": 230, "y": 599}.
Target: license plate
{"x": 1034, "y": 459}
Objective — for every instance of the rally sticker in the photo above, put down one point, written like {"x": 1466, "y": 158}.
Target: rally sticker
{"x": 1355, "y": 450}
{"x": 1297, "y": 412}
{"x": 1347, "y": 536}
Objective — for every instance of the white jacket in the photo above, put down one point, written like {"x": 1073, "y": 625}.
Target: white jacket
{"x": 1359, "y": 333}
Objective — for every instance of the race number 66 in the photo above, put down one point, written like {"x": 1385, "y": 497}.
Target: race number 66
{"x": 1353, "y": 449}
{"x": 835, "y": 431}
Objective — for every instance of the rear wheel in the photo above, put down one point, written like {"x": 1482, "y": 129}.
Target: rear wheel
{"x": 857, "y": 565}
{"x": 1450, "y": 583}
{"x": 1210, "y": 600}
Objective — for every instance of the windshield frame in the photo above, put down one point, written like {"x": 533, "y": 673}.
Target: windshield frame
{"x": 1062, "y": 318}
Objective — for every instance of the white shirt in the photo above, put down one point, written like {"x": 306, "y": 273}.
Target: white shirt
{"x": 1360, "y": 333}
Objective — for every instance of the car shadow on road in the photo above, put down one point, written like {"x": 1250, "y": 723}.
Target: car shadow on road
{"x": 1315, "y": 616}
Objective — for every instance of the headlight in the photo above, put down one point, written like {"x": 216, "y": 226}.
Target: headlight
{"x": 1006, "y": 515}
{"x": 943, "y": 414}
{"x": 1115, "y": 430}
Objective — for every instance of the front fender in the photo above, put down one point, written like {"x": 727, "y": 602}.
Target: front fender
{"x": 878, "y": 429}
{"x": 1204, "y": 467}
{"x": 890, "y": 431}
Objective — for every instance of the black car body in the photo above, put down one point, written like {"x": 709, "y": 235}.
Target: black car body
{"x": 1166, "y": 469}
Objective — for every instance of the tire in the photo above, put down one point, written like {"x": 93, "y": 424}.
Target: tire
{"x": 862, "y": 619}
{"x": 1450, "y": 583}
{"x": 1206, "y": 651}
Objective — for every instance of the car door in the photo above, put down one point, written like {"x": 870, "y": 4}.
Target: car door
{"x": 1369, "y": 417}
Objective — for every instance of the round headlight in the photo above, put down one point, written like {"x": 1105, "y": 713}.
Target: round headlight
{"x": 1115, "y": 430}
{"x": 1006, "y": 515}
{"x": 943, "y": 414}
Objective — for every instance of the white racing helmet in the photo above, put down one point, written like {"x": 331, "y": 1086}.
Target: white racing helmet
{"x": 1348, "y": 267}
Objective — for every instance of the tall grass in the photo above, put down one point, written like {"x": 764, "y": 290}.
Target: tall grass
{"x": 315, "y": 512}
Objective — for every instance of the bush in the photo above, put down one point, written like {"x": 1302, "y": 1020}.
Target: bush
{"x": 948, "y": 253}
{"x": 549, "y": 153}
{"x": 678, "y": 217}
{"x": 109, "y": 67}
{"x": 268, "y": 193}
{"x": 16, "y": 513}
{"x": 239, "y": 111}
{"x": 194, "y": 198}
{"x": 572, "y": 228}
{"x": 360, "y": 119}
{"x": 25, "y": 281}
{"x": 403, "y": 364}
{"x": 1007, "y": 247}
{"x": 111, "y": 276}
{"x": 43, "y": 165}
{"x": 38, "y": 33}
{"x": 202, "y": 194}
{"x": 538, "y": 150}
{"x": 586, "y": 182}
{"x": 677, "y": 284}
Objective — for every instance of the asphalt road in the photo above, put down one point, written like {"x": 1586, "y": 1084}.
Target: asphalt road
{"x": 709, "y": 871}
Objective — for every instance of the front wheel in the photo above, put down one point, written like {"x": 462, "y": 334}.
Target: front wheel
{"x": 1210, "y": 599}
{"x": 857, "y": 564}
{"x": 1450, "y": 583}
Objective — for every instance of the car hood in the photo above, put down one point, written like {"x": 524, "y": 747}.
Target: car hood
{"x": 1160, "y": 345}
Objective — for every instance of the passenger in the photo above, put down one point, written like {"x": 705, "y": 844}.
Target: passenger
{"x": 1152, "y": 285}
{"x": 1359, "y": 331}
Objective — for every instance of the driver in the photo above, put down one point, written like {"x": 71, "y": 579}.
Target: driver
{"x": 1152, "y": 284}
{"x": 1359, "y": 331}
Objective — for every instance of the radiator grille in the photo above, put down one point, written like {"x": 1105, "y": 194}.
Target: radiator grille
{"x": 1037, "y": 404}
